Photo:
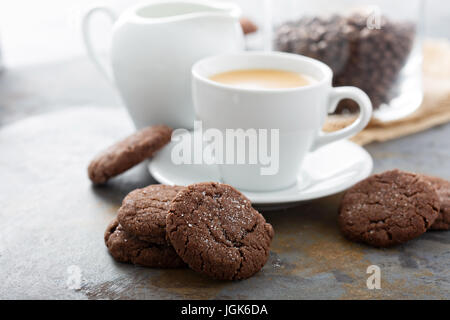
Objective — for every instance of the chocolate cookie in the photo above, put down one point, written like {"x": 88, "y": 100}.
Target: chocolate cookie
{"x": 143, "y": 212}
{"x": 127, "y": 153}
{"x": 215, "y": 230}
{"x": 126, "y": 248}
{"x": 442, "y": 188}
{"x": 389, "y": 208}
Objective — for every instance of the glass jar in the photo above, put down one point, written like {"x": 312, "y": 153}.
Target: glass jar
{"x": 374, "y": 45}
{"x": 257, "y": 14}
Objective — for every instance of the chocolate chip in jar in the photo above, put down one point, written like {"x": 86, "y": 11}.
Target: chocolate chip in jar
{"x": 370, "y": 59}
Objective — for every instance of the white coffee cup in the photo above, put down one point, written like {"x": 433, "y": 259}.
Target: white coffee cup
{"x": 297, "y": 113}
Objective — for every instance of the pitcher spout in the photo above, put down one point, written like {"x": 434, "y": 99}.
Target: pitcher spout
{"x": 225, "y": 9}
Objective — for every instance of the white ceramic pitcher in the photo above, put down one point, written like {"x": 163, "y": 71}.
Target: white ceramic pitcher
{"x": 153, "y": 48}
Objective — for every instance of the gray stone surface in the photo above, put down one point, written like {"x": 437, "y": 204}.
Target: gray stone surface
{"x": 52, "y": 218}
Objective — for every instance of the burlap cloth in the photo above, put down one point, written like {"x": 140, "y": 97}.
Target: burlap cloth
{"x": 434, "y": 111}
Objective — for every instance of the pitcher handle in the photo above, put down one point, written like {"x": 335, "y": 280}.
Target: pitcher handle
{"x": 365, "y": 113}
{"x": 85, "y": 25}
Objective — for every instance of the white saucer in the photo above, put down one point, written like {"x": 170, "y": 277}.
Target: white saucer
{"x": 327, "y": 171}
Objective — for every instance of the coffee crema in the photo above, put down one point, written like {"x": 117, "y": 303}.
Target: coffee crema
{"x": 262, "y": 79}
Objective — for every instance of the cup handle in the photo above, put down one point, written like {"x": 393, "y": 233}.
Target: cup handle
{"x": 365, "y": 107}
{"x": 85, "y": 25}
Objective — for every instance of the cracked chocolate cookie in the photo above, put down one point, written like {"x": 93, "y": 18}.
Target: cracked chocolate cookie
{"x": 126, "y": 248}
{"x": 127, "y": 153}
{"x": 143, "y": 212}
{"x": 442, "y": 188}
{"x": 388, "y": 209}
{"x": 215, "y": 230}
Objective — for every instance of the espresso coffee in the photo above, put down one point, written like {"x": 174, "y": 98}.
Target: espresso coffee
{"x": 262, "y": 79}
